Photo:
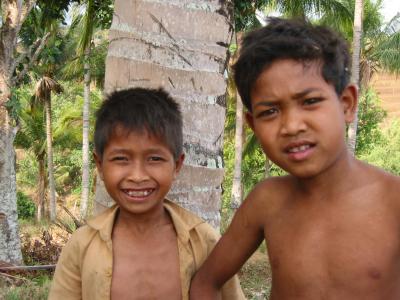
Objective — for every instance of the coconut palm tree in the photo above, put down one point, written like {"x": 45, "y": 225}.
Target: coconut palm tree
{"x": 355, "y": 68}
{"x": 43, "y": 89}
{"x": 96, "y": 16}
{"x": 32, "y": 137}
{"x": 151, "y": 47}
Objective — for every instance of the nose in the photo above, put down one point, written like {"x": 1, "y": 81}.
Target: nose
{"x": 138, "y": 172}
{"x": 292, "y": 122}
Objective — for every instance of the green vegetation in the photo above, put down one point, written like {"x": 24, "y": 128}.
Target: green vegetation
{"x": 37, "y": 288}
{"x": 62, "y": 60}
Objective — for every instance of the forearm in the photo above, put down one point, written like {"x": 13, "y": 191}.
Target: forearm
{"x": 203, "y": 287}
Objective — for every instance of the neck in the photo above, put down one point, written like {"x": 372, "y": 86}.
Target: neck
{"x": 142, "y": 224}
{"x": 339, "y": 177}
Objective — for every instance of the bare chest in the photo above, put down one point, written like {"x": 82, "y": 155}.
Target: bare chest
{"x": 147, "y": 270}
{"x": 341, "y": 255}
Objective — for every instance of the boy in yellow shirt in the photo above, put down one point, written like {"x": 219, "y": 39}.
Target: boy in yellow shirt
{"x": 145, "y": 246}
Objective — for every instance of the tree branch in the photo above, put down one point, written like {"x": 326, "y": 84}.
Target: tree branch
{"x": 26, "y": 8}
{"x": 32, "y": 56}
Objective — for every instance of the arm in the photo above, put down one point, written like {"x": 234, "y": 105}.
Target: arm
{"x": 67, "y": 277}
{"x": 241, "y": 239}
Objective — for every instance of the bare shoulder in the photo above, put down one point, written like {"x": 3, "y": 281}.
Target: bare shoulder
{"x": 380, "y": 177}
{"x": 381, "y": 186}
{"x": 271, "y": 193}
{"x": 268, "y": 198}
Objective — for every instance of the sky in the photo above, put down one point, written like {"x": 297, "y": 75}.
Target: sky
{"x": 390, "y": 8}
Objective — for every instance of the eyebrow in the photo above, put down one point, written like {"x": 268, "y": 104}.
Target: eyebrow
{"x": 305, "y": 92}
{"x": 128, "y": 151}
{"x": 118, "y": 151}
{"x": 295, "y": 96}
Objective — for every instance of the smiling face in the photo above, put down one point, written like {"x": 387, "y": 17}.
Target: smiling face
{"x": 138, "y": 170}
{"x": 298, "y": 118}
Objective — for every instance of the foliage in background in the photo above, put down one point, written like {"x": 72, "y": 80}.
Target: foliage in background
{"x": 25, "y": 206}
{"x": 385, "y": 152}
{"x": 67, "y": 129}
{"x": 371, "y": 115}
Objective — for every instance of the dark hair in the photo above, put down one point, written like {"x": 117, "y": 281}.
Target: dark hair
{"x": 139, "y": 109}
{"x": 291, "y": 39}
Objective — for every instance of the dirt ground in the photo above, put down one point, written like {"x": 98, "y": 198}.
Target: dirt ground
{"x": 255, "y": 276}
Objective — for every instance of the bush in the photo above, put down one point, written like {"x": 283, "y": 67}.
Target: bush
{"x": 25, "y": 206}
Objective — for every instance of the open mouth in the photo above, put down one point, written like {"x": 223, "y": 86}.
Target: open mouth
{"x": 299, "y": 148}
{"x": 300, "y": 151}
{"x": 142, "y": 193}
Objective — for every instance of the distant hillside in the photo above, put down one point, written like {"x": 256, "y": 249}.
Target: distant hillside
{"x": 388, "y": 88}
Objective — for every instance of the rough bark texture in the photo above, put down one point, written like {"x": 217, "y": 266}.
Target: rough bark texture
{"x": 181, "y": 46}
{"x": 40, "y": 212}
{"x": 50, "y": 167}
{"x": 10, "y": 248}
{"x": 13, "y": 13}
{"x": 237, "y": 192}
{"x": 85, "y": 138}
{"x": 355, "y": 69}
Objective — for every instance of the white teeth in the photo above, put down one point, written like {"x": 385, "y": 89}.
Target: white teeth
{"x": 299, "y": 149}
{"x": 142, "y": 193}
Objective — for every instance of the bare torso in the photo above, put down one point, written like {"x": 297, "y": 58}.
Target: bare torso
{"x": 146, "y": 268}
{"x": 342, "y": 247}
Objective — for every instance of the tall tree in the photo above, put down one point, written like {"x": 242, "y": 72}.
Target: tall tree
{"x": 237, "y": 190}
{"x": 150, "y": 47}
{"x": 355, "y": 69}
{"x": 43, "y": 90}
{"x": 13, "y": 14}
{"x": 97, "y": 15}
{"x": 32, "y": 138}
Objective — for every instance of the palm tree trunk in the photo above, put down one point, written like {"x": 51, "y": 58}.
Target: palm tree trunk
{"x": 355, "y": 70}
{"x": 237, "y": 192}
{"x": 50, "y": 167}
{"x": 151, "y": 47}
{"x": 85, "y": 138}
{"x": 41, "y": 189}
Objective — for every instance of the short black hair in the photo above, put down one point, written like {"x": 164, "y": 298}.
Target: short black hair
{"x": 140, "y": 109}
{"x": 294, "y": 39}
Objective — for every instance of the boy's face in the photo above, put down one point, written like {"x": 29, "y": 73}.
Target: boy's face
{"x": 298, "y": 118}
{"x": 138, "y": 170}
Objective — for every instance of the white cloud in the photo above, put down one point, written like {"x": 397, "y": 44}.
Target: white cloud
{"x": 390, "y": 8}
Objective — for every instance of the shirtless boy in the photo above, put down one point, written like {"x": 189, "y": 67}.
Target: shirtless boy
{"x": 144, "y": 247}
{"x": 332, "y": 226}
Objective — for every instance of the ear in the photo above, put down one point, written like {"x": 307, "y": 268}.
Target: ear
{"x": 179, "y": 163}
{"x": 250, "y": 120}
{"x": 98, "y": 162}
{"x": 349, "y": 100}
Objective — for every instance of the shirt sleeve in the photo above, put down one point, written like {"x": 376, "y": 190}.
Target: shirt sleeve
{"x": 66, "y": 283}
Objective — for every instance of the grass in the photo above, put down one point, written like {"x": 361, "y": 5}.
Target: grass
{"x": 27, "y": 289}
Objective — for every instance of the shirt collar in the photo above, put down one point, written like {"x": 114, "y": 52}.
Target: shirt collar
{"x": 183, "y": 220}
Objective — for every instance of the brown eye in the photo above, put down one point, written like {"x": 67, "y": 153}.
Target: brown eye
{"x": 312, "y": 101}
{"x": 268, "y": 112}
{"x": 156, "y": 158}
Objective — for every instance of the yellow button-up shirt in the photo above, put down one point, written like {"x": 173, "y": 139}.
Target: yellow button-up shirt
{"x": 84, "y": 269}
